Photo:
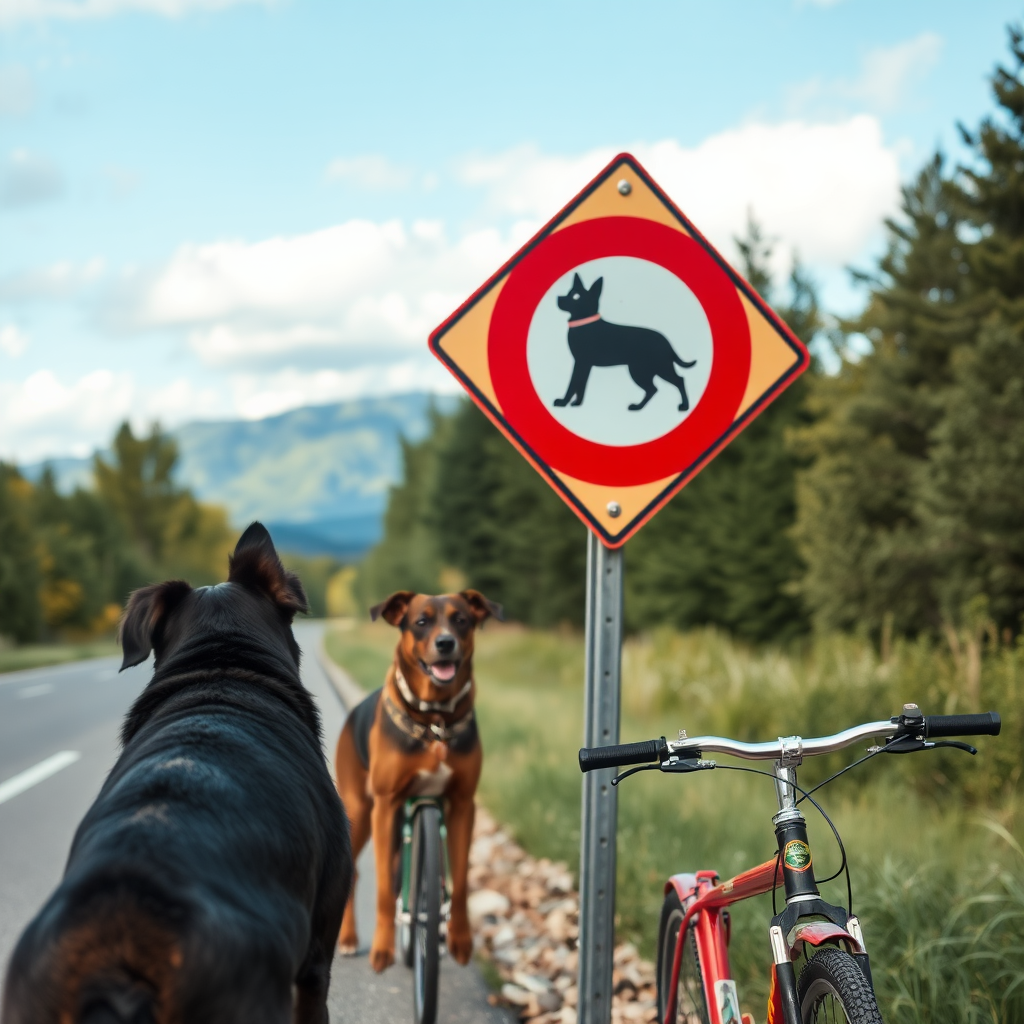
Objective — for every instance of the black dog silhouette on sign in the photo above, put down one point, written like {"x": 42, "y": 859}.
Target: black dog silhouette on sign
{"x": 596, "y": 342}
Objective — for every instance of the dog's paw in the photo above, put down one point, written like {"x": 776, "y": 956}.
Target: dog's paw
{"x": 460, "y": 945}
{"x": 381, "y": 959}
{"x": 347, "y": 948}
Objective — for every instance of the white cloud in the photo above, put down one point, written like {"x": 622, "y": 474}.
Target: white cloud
{"x": 887, "y": 78}
{"x": 44, "y": 416}
{"x": 375, "y": 173}
{"x": 13, "y": 341}
{"x": 821, "y": 188}
{"x": 36, "y": 10}
{"x": 889, "y": 72}
{"x": 356, "y": 285}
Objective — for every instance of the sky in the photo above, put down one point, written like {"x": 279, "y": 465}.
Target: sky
{"x": 229, "y": 208}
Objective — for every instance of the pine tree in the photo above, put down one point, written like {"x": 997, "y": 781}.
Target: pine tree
{"x": 909, "y": 509}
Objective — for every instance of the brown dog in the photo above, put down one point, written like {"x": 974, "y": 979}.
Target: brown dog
{"x": 416, "y": 736}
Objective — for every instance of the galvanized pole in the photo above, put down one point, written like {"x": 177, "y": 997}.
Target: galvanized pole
{"x": 600, "y": 801}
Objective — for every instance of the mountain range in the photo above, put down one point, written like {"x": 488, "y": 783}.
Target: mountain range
{"x": 318, "y": 476}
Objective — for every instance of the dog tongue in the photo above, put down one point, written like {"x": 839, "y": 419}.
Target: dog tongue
{"x": 444, "y": 670}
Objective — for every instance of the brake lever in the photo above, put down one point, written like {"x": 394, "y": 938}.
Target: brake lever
{"x": 633, "y": 771}
{"x": 909, "y": 745}
{"x": 671, "y": 766}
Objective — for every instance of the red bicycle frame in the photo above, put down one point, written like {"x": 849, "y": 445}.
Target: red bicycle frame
{"x": 704, "y": 901}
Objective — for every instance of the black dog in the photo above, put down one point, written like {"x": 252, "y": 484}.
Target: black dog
{"x": 207, "y": 882}
{"x": 596, "y": 342}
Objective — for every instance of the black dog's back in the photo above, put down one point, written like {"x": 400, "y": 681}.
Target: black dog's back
{"x": 209, "y": 877}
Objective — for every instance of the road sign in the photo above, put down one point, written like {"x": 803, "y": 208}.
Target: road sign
{"x": 618, "y": 351}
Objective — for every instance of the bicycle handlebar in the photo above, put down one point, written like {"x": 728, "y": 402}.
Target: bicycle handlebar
{"x": 987, "y": 724}
{"x": 616, "y": 755}
{"x": 791, "y": 748}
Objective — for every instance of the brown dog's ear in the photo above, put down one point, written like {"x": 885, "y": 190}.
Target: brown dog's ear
{"x": 481, "y": 607}
{"x": 147, "y": 608}
{"x": 255, "y": 565}
{"x": 392, "y": 609}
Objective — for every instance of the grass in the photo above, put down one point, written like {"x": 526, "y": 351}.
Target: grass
{"x": 933, "y": 840}
{"x": 13, "y": 659}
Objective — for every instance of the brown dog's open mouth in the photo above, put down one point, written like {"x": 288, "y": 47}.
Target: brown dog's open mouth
{"x": 441, "y": 671}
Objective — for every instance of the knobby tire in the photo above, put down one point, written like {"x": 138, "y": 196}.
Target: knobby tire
{"x": 833, "y": 988}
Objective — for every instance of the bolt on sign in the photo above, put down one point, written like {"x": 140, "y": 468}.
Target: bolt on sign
{"x": 618, "y": 351}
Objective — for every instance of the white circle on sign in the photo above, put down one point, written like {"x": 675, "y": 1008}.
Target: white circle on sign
{"x": 634, "y": 293}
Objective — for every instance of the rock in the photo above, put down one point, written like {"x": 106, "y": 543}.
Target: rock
{"x": 568, "y": 1015}
{"x": 487, "y": 901}
{"x": 571, "y": 995}
{"x": 560, "y": 882}
{"x": 531, "y": 982}
{"x": 514, "y": 994}
{"x": 504, "y": 935}
{"x": 625, "y": 952}
{"x": 549, "y": 1001}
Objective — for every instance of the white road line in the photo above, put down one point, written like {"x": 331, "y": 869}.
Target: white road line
{"x": 39, "y": 690}
{"x": 36, "y": 774}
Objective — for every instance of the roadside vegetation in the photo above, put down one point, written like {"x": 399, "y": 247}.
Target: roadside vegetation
{"x": 13, "y": 659}
{"x": 934, "y": 840}
{"x": 69, "y": 561}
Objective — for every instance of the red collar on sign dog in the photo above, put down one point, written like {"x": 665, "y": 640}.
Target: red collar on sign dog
{"x": 585, "y": 320}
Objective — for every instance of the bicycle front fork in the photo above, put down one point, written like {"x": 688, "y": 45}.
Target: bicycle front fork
{"x": 801, "y": 920}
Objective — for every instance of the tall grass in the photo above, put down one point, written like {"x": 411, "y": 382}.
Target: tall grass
{"x": 933, "y": 839}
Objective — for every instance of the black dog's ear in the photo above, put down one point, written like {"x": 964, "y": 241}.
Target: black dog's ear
{"x": 147, "y": 609}
{"x": 255, "y": 565}
{"x": 577, "y": 283}
{"x": 393, "y": 608}
{"x": 595, "y": 288}
{"x": 481, "y": 607}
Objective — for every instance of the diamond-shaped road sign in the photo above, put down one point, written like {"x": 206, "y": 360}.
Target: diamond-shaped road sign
{"x": 618, "y": 351}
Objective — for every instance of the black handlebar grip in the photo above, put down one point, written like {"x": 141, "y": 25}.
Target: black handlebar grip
{"x": 987, "y": 724}
{"x": 619, "y": 754}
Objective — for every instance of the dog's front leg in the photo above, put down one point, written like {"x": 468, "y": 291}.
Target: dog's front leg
{"x": 577, "y": 385}
{"x": 382, "y": 950}
{"x": 461, "y": 811}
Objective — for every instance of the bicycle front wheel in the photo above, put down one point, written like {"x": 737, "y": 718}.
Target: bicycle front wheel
{"x": 691, "y": 1004}
{"x": 833, "y": 988}
{"x": 426, "y": 917}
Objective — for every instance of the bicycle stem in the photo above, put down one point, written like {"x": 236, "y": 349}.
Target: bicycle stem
{"x": 791, "y": 832}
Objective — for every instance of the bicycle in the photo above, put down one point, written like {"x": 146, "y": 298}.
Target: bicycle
{"x": 423, "y": 904}
{"x": 695, "y": 985}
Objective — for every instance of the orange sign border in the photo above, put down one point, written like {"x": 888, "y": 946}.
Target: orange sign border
{"x": 677, "y": 481}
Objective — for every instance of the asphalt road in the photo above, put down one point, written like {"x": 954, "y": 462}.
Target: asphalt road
{"x": 77, "y": 710}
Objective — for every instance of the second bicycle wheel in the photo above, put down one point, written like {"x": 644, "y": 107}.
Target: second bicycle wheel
{"x": 426, "y": 915}
{"x": 691, "y": 1004}
{"x": 833, "y": 989}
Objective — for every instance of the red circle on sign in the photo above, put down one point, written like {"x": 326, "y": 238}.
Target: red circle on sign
{"x": 554, "y": 443}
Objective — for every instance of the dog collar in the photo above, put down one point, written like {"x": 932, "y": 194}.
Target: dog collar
{"x": 429, "y": 706}
{"x": 585, "y": 320}
{"x": 426, "y": 733}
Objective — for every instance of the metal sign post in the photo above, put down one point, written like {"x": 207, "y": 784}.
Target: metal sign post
{"x": 600, "y": 798}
